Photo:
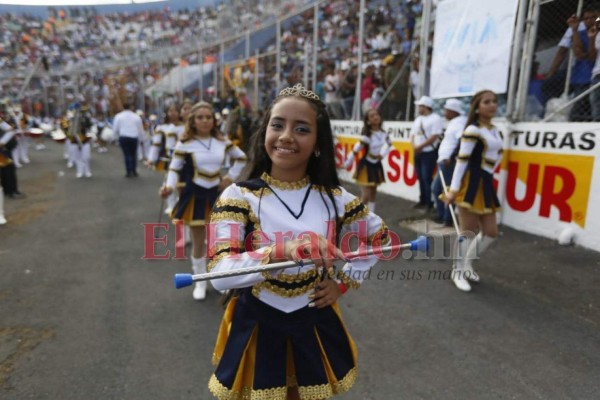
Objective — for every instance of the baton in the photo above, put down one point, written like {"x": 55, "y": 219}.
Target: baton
{"x": 183, "y": 280}
{"x": 454, "y": 221}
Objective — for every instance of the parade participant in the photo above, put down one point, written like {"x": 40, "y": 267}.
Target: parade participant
{"x": 282, "y": 334}
{"x": 472, "y": 187}
{"x": 127, "y": 126}
{"x": 369, "y": 172}
{"x": 69, "y": 152}
{"x": 80, "y": 141}
{"x": 144, "y": 141}
{"x": 21, "y": 152}
{"x": 197, "y": 162}
{"x": 453, "y": 111}
{"x": 163, "y": 143}
{"x": 8, "y": 172}
{"x": 184, "y": 113}
{"x": 424, "y": 139}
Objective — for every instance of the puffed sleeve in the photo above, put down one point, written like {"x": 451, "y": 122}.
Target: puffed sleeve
{"x": 370, "y": 230}
{"x": 226, "y": 241}
{"x": 238, "y": 158}
{"x": 156, "y": 142}
{"x": 176, "y": 164}
{"x": 468, "y": 140}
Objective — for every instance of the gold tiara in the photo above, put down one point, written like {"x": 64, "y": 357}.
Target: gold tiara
{"x": 299, "y": 90}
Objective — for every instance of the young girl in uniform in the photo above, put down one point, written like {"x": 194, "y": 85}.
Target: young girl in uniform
{"x": 369, "y": 172}
{"x": 282, "y": 335}
{"x": 197, "y": 161}
{"x": 472, "y": 187}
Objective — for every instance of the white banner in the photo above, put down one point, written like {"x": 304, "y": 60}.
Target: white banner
{"x": 549, "y": 180}
{"x": 472, "y": 46}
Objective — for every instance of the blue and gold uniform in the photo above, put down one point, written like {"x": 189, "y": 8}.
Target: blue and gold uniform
{"x": 479, "y": 154}
{"x": 270, "y": 338}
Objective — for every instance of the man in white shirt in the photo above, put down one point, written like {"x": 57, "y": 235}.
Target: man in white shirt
{"x": 424, "y": 138}
{"x": 453, "y": 111}
{"x": 127, "y": 126}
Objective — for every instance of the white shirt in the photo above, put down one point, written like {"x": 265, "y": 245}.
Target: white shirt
{"x": 424, "y": 127}
{"x": 128, "y": 124}
{"x": 332, "y": 85}
{"x": 565, "y": 41}
{"x": 452, "y": 135}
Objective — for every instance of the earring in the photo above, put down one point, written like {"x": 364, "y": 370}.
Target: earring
{"x": 317, "y": 153}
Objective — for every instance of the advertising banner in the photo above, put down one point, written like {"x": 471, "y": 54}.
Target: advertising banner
{"x": 548, "y": 181}
{"x": 472, "y": 43}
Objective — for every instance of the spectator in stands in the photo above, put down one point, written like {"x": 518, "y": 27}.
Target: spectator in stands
{"x": 396, "y": 81}
{"x": 594, "y": 55}
{"x": 575, "y": 38}
{"x": 348, "y": 90}
{"x": 332, "y": 96}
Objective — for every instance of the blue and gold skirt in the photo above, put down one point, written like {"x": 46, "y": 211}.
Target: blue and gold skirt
{"x": 194, "y": 205}
{"x": 477, "y": 193}
{"x": 369, "y": 174}
{"x": 261, "y": 351}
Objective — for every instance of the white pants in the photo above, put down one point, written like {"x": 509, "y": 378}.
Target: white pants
{"x": 82, "y": 158}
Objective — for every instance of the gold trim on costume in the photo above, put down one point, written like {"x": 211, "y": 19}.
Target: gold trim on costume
{"x": 281, "y": 291}
{"x": 346, "y": 280}
{"x": 383, "y": 230}
{"x": 284, "y": 185}
{"x": 232, "y": 203}
{"x": 229, "y": 216}
{"x": 221, "y": 392}
{"x": 351, "y": 206}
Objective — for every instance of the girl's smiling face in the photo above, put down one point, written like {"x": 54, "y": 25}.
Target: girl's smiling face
{"x": 291, "y": 138}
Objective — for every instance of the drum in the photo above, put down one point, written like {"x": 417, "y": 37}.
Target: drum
{"x": 92, "y": 133}
{"x": 47, "y": 128}
{"x": 107, "y": 134}
{"x": 59, "y": 136}
{"x": 35, "y": 133}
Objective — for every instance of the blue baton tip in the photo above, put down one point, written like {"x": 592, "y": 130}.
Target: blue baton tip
{"x": 182, "y": 280}
{"x": 420, "y": 244}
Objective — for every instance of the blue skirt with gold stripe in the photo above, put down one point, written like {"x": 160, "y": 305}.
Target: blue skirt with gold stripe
{"x": 194, "y": 204}
{"x": 477, "y": 193}
{"x": 262, "y": 351}
{"x": 368, "y": 173}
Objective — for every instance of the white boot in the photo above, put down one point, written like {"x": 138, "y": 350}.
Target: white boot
{"x": 371, "y": 206}
{"x": 476, "y": 248}
{"x": 199, "y": 267}
{"x": 2, "y": 219}
{"x": 458, "y": 270}
{"x": 187, "y": 234}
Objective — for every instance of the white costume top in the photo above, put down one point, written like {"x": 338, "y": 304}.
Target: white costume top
{"x": 491, "y": 153}
{"x": 171, "y": 133}
{"x": 379, "y": 145}
{"x": 255, "y": 206}
{"x": 208, "y": 156}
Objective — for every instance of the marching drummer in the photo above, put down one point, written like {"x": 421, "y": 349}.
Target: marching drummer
{"x": 79, "y": 140}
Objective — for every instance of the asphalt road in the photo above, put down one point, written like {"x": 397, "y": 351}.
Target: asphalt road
{"x": 83, "y": 316}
